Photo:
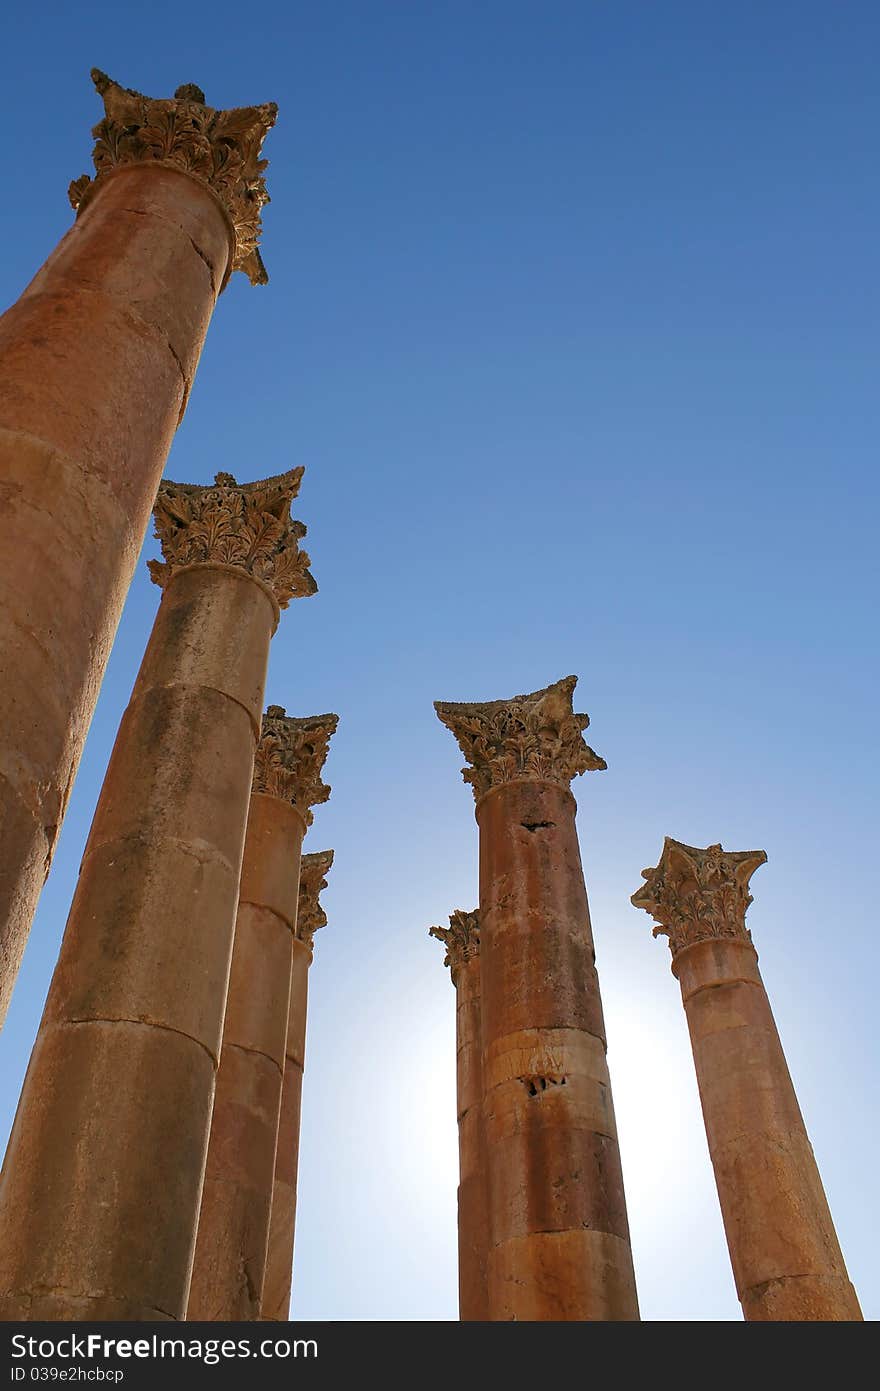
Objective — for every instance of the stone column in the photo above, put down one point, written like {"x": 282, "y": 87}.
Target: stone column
{"x": 786, "y": 1258}
{"x": 279, "y": 1265}
{"x": 100, "y": 1190}
{"x": 558, "y": 1237}
{"x": 96, "y": 362}
{"x": 230, "y": 1258}
{"x": 462, "y": 941}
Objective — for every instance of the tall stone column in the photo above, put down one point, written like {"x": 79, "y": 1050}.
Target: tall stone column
{"x": 96, "y": 362}
{"x": 786, "y": 1258}
{"x": 230, "y": 1258}
{"x": 462, "y": 942}
{"x": 558, "y": 1237}
{"x": 279, "y": 1265}
{"x": 100, "y": 1189}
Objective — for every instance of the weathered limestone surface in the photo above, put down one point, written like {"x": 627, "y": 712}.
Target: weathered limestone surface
{"x": 462, "y": 941}
{"x": 230, "y": 1258}
{"x": 786, "y": 1258}
{"x": 100, "y": 1189}
{"x": 279, "y": 1265}
{"x": 558, "y": 1236}
{"x": 96, "y": 362}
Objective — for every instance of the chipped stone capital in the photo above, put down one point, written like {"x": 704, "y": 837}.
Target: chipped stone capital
{"x": 244, "y": 525}
{"x": 534, "y": 737}
{"x": 221, "y": 149}
{"x": 290, "y": 755}
{"x": 310, "y": 916}
{"x": 461, "y": 939}
{"x": 697, "y": 895}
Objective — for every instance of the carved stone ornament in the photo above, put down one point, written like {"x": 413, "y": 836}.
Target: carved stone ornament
{"x": 219, "y": 148}
{"x": 312, "y": 879}
{"x": 535, "y": 736}
{"x": 289, "y": 758}
{"x": 243, "y": 524}
{"x": 696, "y": 895}
{"x": 461, "y": 939}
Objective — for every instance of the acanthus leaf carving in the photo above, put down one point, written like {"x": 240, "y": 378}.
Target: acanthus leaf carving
{"x": 461, "y": 939}
{"x": 310, "y": 916}
{"x": 537, "y": 737}
{"x": 290, "y": 755}
{"x": 219, "y": 148}
{"x": 247, "y": 525}
{"x": 698, "y": 895}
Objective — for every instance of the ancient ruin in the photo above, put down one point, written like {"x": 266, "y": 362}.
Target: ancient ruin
{"x": 151, "y": 1172}
{"x": 786, "y": 1259}
{"x": 230, "y": 1257}
{"x": 97, "y": 359}
{"x": 558, "y": 1234}
{"x": 129, "y": 1044}
{"x": 310, "y": 917}
{"x": 462, "y": 942}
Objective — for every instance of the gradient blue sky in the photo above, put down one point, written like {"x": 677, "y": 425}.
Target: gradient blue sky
{"x": 573, "y": 322}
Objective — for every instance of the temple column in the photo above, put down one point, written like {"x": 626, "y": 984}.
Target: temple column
{"x": 786, "y": 1258}
{"x": 462, "y": 941}
{"x": 230, "y": 1256}
{"x": 96, "y": 361}
{"x": 558, "y": 1237}
{"x": 279, "y": 1264}
{"x": 100, "y": 1189}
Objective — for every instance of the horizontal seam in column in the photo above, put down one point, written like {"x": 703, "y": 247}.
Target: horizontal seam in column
{"x": 493, "y": 1140}
{"x": 138, "y": 696}
{"x": 212, "y": 857}
{"x": 719, "y": 985}
{"x": 499, "y": 1045}
{"x": 562, "y": 1231}
{"x": 772, "y": 1136}
{"x": 138, "y": 1023}
{"x": 268, "y": 908}
{"x": 255, "y": 1053}
{"x": 784, "y": 1279}
{"x": 62, "y": 1292}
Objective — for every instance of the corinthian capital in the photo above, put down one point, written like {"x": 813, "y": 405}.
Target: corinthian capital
{"x": 695, "y": 895}
{"x": 461, "y": 939}
{"x": 247, "y": 525}
{"x": 219, "y": 148}
{"x": 535, "y": 736}
{"x": 312, "y": 879}
{"x": 290, "y": 755}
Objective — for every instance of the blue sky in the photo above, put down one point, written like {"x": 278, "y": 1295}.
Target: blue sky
{"x": 572, "y": 319}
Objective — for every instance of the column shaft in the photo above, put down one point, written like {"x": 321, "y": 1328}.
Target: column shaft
{"x": 786, "y": 1258}
{"x": 96, "y": 360}
{"x": 559, "y": 1240}
{"x": 100, "y": 1189}
{"x": 279, "y": 1265}
{"x": 473, "y": 1215}
{"x": 230, "y": 1257}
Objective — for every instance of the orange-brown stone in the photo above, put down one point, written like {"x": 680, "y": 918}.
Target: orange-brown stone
{"x": 786, "y": 1258}
{"x": 96, "y": 362}
{"x": 230, "y": 1255}
{"x": 558, "y": 1236}
{"x": 462, "y": 942}
{"x": 100, "y": 1189}
{"x": 231, "y": 1248}
{"x": 279, "y": 1263}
